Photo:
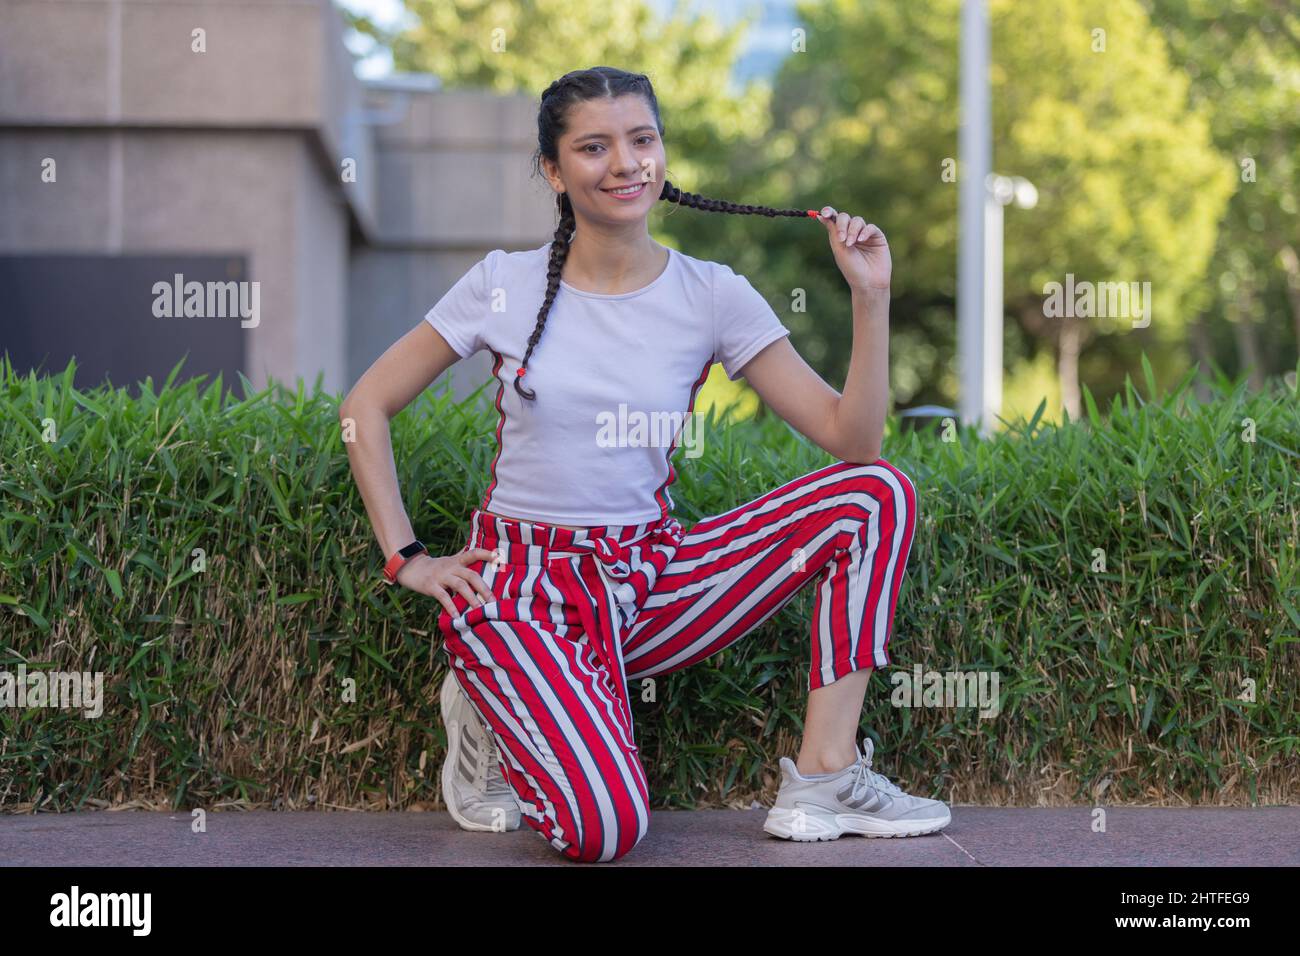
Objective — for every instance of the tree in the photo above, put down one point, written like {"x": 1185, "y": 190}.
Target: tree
{"x": 1243, "y": 61}
{"x": 1130, "y": 186}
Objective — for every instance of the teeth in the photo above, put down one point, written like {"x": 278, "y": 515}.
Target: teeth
{"x": 625, "y": 191}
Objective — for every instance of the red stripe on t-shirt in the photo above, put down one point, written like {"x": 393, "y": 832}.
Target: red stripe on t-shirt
{"x": 661, "y": 493}
{"x": 501, "y": 421}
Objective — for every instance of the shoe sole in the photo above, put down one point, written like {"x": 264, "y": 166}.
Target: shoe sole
{"x": 446, "y": 702}
{"x": 831, "y": 826}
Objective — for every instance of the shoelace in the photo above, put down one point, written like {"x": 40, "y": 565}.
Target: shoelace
{"x": 866, "y": 777}
{"x": 498, "y": 786}
{"x": 484, "y": 769}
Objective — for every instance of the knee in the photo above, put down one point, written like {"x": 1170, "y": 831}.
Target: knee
{"x": 879, "y": 483}
{"x": 604, "y": 840}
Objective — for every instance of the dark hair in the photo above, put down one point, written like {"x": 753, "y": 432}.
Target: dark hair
{"x": 576, "y": 87}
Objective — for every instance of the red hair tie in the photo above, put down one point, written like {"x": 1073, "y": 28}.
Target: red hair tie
{"x": 519, "y": 371}
{"x": 813, "y": 213}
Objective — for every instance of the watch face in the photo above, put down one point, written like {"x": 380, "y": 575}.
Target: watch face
{"x": 415, "y": 547}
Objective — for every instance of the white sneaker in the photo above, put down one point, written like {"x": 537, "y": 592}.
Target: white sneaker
{"x": 473, "y": 787}
{"x": 855, "y": 800}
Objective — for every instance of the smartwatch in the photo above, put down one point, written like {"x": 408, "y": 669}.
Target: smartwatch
{"x": 400, "y": 558}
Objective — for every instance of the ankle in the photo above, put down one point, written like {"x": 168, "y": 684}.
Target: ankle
{"x": 812, "y": 763}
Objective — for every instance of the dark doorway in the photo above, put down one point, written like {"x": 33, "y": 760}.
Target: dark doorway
{"x": 100, "y": 311}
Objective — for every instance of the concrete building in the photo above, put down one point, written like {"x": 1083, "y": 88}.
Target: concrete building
{"x": 224, "y": 140}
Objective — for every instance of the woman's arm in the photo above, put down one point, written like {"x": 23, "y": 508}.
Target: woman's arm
{"x": 850, "y": 426}
{"x": 862, "y": 409}
{"x": 409, "y": 366}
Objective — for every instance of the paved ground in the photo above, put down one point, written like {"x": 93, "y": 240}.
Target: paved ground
{"x": 977, "y": 836}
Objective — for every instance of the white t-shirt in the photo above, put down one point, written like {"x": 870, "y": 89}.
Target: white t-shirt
{"x": 615, "y": 375}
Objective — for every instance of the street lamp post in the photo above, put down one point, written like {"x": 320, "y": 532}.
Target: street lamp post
{"x": 979, "y": 213}
{"x": 974, "y": 144}
{"x": 999, "y": 191}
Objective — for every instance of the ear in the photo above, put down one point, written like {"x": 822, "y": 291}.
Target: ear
{"x": 552, "y": 173}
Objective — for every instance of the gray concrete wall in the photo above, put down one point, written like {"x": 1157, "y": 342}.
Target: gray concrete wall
{"x": 321, "y": 274}
{"x": 241, "y": 149}
{"x": 163, "y": 191}
{"x": 161, "y": 148}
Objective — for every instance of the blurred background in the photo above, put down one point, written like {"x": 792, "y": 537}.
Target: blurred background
{"x": 355, "y": 158}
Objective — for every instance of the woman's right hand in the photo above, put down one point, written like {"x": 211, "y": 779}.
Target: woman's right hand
{"x": 439, "y": 577}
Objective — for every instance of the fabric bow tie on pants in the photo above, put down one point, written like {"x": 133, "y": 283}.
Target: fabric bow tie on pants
{"x": 604, "y": 580}
{"x": 599, "y": 567}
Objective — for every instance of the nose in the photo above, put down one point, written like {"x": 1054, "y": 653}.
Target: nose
{"x": 625, "y": 161}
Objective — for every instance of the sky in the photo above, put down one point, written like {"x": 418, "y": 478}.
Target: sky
{"x": 766, "y": 43}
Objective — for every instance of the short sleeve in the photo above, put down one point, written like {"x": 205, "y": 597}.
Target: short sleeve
{"x": 743, "y": 323}
{"x": 463, "y": 310}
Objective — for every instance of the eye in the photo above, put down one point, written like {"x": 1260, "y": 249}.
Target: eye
{"x": 644, "y": 139}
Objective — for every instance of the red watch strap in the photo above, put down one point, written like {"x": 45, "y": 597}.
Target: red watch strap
{"x": 396, "y": 562}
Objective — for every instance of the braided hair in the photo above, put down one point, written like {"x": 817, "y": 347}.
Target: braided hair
{"x": 579, "y": 86}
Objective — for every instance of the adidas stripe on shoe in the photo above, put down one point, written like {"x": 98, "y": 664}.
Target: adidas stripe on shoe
{"x": 473, "y": 786}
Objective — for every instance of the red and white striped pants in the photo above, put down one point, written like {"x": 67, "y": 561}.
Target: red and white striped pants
{"x": 580, "y": 614}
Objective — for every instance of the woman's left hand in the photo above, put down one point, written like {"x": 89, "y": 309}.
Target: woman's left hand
{"x": 860, "y": 250}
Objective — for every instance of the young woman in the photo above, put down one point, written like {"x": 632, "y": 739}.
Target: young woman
{"x": 577, "y": 581}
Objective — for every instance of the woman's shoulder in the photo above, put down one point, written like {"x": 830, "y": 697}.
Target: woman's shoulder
{"x": 520, "y": 259}
{"x": 711, "y": 274}
{"x": 703, "y": 267}
{"x": 507, "y": 268}
{"x": 702, "y": 274}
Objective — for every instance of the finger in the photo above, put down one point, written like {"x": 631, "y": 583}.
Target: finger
{"x": 464, "y": 590}
{"x": 857, "y": 230}
{"x": 444, "y": 599}
{"x": 472, "y": 583}
{"x": 480, "y": 585}
{"x": 842, "y": 224}
{"x": 477, "y": 554}
{"x": 829, "y": 218}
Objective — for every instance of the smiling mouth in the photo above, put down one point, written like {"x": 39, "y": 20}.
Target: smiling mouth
{"x": 634, "y": 190}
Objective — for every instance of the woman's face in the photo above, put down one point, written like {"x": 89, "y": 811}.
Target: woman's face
{"x": 610, "y": 143}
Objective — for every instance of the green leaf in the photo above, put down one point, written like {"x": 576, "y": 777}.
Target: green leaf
{"x": 37, "y": 618}
{"x": 1146, "y": 711}
{"x": 146, "y": 561}
{"x": 1149, "y": 376}
{"x": 81, "y": 551}
{"x": 300, "y": 598}
{"x": 1093, "y": 415}
{"x": 376, "y": 657}
{"x": 1201, "y": 588}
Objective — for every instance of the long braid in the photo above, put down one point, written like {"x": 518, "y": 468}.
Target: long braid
{"x": 577, "y": 86}
{"x": 674, "y": 195}
{"x": 559, "y": 254}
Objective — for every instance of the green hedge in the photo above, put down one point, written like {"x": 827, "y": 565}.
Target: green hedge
{"x": 229, "y": 684}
